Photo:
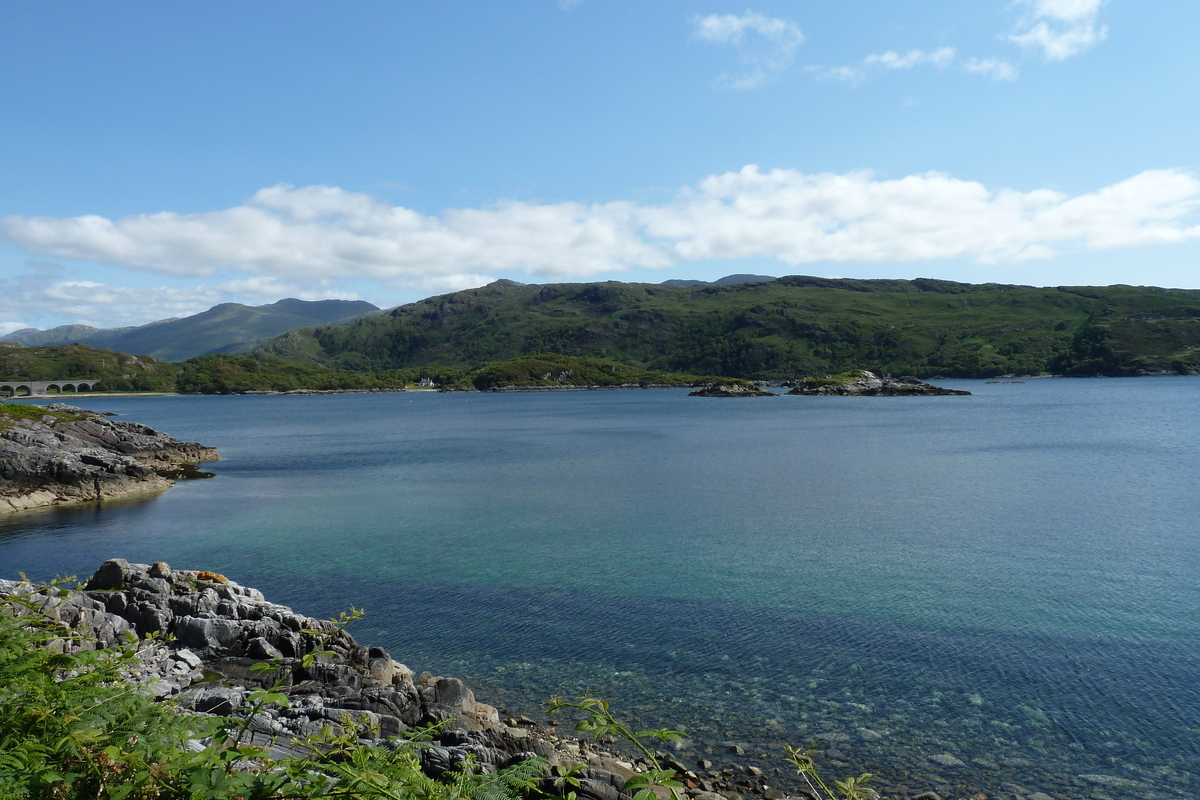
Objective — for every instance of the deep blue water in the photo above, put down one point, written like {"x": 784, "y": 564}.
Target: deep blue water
{"x": 1011, "y": 578}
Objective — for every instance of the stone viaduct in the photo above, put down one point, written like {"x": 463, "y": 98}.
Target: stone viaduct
{"x": 42, "y": 388}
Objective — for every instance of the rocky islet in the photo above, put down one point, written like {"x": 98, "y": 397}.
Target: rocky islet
{"x": 867, "y": 384}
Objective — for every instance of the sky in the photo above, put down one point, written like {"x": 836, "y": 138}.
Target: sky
{"x": 157, "y": 158}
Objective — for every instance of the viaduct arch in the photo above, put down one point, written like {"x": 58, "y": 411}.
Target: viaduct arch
{"x": 43, "y": 388}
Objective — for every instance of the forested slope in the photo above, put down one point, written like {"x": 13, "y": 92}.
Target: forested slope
{"x": 780, "y": 328}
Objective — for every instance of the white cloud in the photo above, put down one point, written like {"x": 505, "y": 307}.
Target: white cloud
{"x": 91, "y": 302}
{"x": 993, "y": 68}
{"x": 311, "y": 241}
{"x": 1061, "y": 28}
{"x": 850, "y": 75}
{"x": 321, "y": 231}
{"x": 855, "y": 218}
{"x": 765, "y": 45}
{"x": 100, "y": 305}
{"x": 8, "y": 327}
{"x": 940, "y": 58}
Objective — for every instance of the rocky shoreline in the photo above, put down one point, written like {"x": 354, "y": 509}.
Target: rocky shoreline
{"x": 72, "y": 455}
{"x": 211, "y": 632}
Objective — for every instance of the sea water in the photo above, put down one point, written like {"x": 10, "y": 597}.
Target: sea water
{"x": 996, "y": 593}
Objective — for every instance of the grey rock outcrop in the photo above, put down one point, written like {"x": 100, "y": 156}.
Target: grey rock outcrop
{"x": 731, "y": 390}
{"x": 86, "y": 457}
{"x": 868, "y": 384}
{"x": 221, "y": 627}
{"x": 217, "y": 630}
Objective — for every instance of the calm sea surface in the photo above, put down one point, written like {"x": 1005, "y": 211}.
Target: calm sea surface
{"x": 1011, "y": 579}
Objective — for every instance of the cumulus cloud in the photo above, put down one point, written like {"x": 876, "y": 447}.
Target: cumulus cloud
{"x": 855, "y": 218}
{"x": 8, "y": 327}
{"x": 993, "y": 68}
{"x": 765, "y": 45}
{"x": 322, "y": 231}
{"x": 1060, "y": 28}
{"x": 940, "y": 58}
{"x": 91, "y": 302}
{"x": 308, "y": 241}
{"x": 100, "y": 305}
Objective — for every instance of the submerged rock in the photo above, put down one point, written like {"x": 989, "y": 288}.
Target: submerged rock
{"x": 861, "y": 383}
{"x": 72, "y": 455}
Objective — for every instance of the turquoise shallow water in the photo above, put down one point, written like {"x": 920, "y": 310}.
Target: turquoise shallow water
{"x": 1009, "y": 578}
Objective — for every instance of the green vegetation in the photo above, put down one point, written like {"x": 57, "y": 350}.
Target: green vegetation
{"x": 118, "y": 372}
{"x": 229, "y": 374}
{"x": 10, "y": 412}
{"x": 549, "y": 369}
{"x": 74, "y": 728}
{"x": 779, "y": 329}
{"x": 834, "y": 380}
{"x": 607, "y": 334}
{"x": 226, "y": 374}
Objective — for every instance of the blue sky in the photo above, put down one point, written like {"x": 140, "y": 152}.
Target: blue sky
{"x": 158, "y": 158}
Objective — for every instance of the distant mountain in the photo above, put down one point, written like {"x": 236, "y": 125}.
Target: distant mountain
{"x": 728, "y": 280}
{"x": 224, "y": 328}
{"x": 34, "y": 337}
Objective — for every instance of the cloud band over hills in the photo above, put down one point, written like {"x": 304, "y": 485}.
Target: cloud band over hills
{"x": 320, "y": 232}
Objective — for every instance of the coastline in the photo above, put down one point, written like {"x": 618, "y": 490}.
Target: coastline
{"x": 72, "y": 456}
{"x": 212, "y": 636}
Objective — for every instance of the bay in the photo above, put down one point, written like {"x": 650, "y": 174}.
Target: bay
{"x": 1008, "y": 578}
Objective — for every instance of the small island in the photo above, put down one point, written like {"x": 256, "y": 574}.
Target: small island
{"x": 59, "y": 454}
{"x": 861, "y": 383}
{"x": 731, "y": 390}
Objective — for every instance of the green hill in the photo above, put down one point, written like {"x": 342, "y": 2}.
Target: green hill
{"x": 117, "y": 371}
{"x": 777, "y": 329}
{"x": 225, "y": 328}
{"x": 228, "y": 374}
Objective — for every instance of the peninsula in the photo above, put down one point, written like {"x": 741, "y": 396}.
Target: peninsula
{"x": 60, "y": 454}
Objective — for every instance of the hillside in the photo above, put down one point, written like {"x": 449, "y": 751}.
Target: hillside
{"x": 118, "y": 371}
{"x": 225, "y": 328}
{"x": 779, "y": 329}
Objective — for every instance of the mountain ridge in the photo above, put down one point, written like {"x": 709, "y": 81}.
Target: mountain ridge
{"x": 224, "y": 328}
{"x": 793, "y": 325}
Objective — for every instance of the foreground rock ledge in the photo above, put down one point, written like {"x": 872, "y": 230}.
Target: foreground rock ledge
{"x": 72, "y": 455}
{"x": 215, "y": 630}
